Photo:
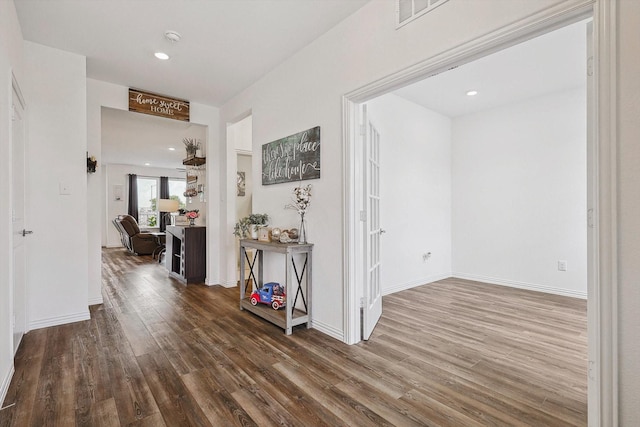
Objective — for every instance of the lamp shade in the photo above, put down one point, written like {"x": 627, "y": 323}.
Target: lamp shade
{"x": 168, "y": 205}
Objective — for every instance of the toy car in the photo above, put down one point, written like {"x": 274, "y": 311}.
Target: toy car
{"x": 271, "y": 293}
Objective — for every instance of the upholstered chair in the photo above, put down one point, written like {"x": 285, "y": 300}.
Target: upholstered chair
{"x": 137, "y": 242}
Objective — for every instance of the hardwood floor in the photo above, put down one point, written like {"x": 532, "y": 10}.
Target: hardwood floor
{"x": 159, "y": 353}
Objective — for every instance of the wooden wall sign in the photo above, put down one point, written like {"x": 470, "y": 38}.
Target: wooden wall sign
{"x": 293, "y": 158}
{"x": 157, "y": 105}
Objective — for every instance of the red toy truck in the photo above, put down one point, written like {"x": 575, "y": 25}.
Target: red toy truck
{"x": 271, "y": 293}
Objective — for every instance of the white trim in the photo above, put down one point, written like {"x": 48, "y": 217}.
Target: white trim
{"x": 16, "y": 88}
{"x": 351, "y": 316}
{"x": 241, "y": 152}
{"x": 96, "y": 300}
{"x": 229, "y": 283}
{"x": 60, "y": 320}
{"x": 603, "y": 329}
{"x": 332, "y": 331}
{"x": 6, "y": 382}
{"x": 414, "y": 283}
{"x": 521, "y": 285}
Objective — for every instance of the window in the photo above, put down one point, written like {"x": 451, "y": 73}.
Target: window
{"x": 148, "y": 190}
{"x": 408, "y": 10}
{"x": 148, "y": 195}
{"x": 177, "y": 188}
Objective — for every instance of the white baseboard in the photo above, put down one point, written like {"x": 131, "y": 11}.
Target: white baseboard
{"x": 229, "y": 283}
{"x": 412, "y": 284}
{"x": 328, "y": 330}
{"x": 60, "y": 320}
{"x": 96, "y": 300}
{"x": 6, "y": 381}
{"x": 522, "y": 285}
{"x": 223, "y": 284}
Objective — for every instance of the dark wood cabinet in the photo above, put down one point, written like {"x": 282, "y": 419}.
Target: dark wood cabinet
{"x": 186, "y": 254}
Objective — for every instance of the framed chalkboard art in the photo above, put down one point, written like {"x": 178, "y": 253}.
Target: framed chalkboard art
{"x": 293, "y": 158}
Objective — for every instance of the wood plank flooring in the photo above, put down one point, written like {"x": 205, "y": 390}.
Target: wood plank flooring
{"x": 159, "y": 353}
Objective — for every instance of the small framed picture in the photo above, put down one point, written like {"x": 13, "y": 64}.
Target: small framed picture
{"x": 264, "y": 234}
{"x": 241, "y": 184}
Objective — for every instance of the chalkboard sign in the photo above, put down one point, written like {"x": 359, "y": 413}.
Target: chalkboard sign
{"x": 294, "y": 158}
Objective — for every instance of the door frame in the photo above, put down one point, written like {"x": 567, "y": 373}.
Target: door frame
{"x": 229, "y": 275}
{"x": 602, "y": 255}
{"x": 16, "y": 94}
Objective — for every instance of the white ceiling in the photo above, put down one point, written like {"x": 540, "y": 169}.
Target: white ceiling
{"x": 550, "y": 63}
{"x": 226, "y": 44}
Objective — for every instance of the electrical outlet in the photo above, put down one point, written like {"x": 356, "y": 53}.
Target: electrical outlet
{"x": 64, "y": 187}
{"x": 562, "y": 265}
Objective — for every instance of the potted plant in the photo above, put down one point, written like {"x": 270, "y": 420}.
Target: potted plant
{"x": 248, "y": 226}
{"x": 191, "y": 145}
{"x": 191, "y": 216}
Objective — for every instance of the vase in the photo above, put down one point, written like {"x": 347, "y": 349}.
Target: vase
{"x": 302, "y": 232}
{"x": 192, "y": 222}
{"x": 253, "y": 229}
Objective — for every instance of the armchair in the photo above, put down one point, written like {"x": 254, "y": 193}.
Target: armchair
{"x": 136, "y": 242}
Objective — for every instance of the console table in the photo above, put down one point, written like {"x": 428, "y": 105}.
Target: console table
{"x": 186, "y": 253}
{"x": 298, "y": 292}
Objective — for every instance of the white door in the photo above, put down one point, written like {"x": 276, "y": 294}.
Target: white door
{"x": 372, "y": 309}
{"x": 19, "y": 310}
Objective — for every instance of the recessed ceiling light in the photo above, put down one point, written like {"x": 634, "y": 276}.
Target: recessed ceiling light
{"x": 161, "y": 55}
{"x": 147, "y": 164}
{"x": 472, "y": 93}
{"x": 172, "y": 149}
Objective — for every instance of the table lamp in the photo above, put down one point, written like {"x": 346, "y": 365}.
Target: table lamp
{"x": 167, "y": 206}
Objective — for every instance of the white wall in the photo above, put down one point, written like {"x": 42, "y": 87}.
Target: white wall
{"x": 519, "y": 194}
{"x": 118, "y": 175}
{"x": 415, "y": 169}
{"x": 11, "y": 51}
{"x": 242, "y": 134}
{"x": 306, "y": 91}
{"x": 55, "y": 89}
{"x": 511, "y": 222}
{"x": 102, "y": 94}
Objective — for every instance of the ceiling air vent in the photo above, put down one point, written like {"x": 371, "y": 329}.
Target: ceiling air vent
{"x": 408, "y": 10}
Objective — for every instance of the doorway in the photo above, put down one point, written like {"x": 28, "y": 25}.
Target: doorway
{"x": 151, "y": 148}
{"x": 503, "y": 170}
{"x": 599, "y": 187}
{"x": 244, "y": 195}
{"x": 240, "y": 188}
